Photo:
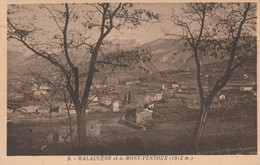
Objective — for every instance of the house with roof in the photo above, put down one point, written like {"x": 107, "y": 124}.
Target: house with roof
{"x": 116, "y": 106}
{"x": 143, "y": 116}
{"x": 138, "y": 116}
{"x": 175, "y": 85}
{"x": 40, "y": 89}
{"x": 150, "y": 97}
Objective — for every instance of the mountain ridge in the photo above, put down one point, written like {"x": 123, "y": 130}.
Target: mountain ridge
{"x": 167, "y": 54}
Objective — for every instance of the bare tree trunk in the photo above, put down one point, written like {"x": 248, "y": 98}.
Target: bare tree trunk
{"x": 125, "y": 100}
{"x": 129, "y": 98}
{"x": 199, "y": 127}
{"x": 52, "y": 131}
{"x": 71, "y": 138}
{"x": 81, "y": 122}
{"x": 205, "y": 106}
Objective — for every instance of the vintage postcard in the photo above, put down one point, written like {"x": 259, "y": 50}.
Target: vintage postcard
{"x": 171, "y": 82}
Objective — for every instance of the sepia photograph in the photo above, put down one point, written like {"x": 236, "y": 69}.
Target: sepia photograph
{"x": 131, "y": 79}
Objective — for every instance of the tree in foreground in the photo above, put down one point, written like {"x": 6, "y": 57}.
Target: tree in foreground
{"x": 212, "y": 29}
{"x": 64, "y": 33}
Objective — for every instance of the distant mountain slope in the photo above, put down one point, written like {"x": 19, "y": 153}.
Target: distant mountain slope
{"x": 14, "y": 59}
{"x": 17, "y": 63}
{"x": 167, "y": 54}
{"x": 170, "y": 54}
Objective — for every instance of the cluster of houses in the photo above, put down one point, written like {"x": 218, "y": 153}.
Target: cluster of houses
{"x": 223, "y": 99}
{"x": 173, "y": 86}
{"x": 150, "y": 97}
{"x": 189, "y": 95}
{"x": 40, "y": 89}
{"x": 134, "y": 117}
{"x": 133, "y": 82}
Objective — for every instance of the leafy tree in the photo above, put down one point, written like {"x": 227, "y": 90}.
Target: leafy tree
{"x": 70, "y": 37}
{"x": 212, "y": 29}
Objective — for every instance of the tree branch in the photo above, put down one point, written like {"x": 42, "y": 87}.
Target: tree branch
{"x": 54, "y": 18}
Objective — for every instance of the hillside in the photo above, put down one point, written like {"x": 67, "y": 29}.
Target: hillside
{"x": 167, "y": 55}
{"x": 170, "y": 54}
{"x": 15, "y": 61}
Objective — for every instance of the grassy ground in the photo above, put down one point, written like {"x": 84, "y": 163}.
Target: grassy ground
{"x": 230, "y": 131}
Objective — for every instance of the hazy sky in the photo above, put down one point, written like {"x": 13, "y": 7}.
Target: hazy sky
{"x": 145, "y": 33}
{"x": 151, "y": 31}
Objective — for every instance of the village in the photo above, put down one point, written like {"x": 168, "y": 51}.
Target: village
{"x": 133, "y": 107}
